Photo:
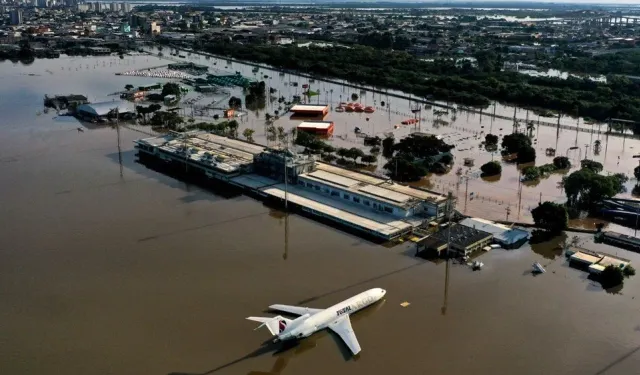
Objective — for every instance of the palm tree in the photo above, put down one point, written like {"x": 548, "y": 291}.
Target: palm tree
{"x": 530, "y": 128}
{"x": 248, "y": 134}
{"x": 597, "y": 146}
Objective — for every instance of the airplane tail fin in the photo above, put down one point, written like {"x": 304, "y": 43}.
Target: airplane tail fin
{"x": 275, "y": 325}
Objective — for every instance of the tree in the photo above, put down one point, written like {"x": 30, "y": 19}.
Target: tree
{"x": 562, "y": 162}
{"x": 343, "y": 152}
{"x": 369, "y": 159}
{"x": 636, "y": 174}
{"x": 491, "y": 140}
{"x": 128, "y": 87}
{"x": 248, "y": 134}
{"x": 355, "y": 153}
{"x": 387, "y": 147}
{"x": 584, "y": 188}
{"x": 526, "y": 154}
{"x": 629, "y": 271}
{"x": 401, "y": 169}
{"x": 551, "y": 217}
{"x": 491, "y": 168}
{"x": 530, "y": 173}
{"x": 354, "y": 96}
{"x": 592, "y": 165}
{"x": 611, "y": 276}
{"x": 171, "y": 88}
{"x": 235, "y": 102}
{"x": 446, "y": 159}
{"x": 233, "y": 128}
{"x": 513, "y": 143}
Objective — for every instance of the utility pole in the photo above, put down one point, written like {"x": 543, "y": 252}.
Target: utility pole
{"x": 448, "y": 261}
{"x": 466, "y": 193}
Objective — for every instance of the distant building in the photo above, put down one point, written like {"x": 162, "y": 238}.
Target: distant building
{"x": 125, "y": 7}
{"x": 113, "y": 7}
{"x": 16, "y": 17}
{"x": 98, "y": 111}
{"x": 125, "y": 28}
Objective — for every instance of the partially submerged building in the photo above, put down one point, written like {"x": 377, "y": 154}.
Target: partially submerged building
{"x": 104, "y": 110}
{"x": 464, "y": 241}
{"x": 505, "y": 236}
{"x": 370, "y": 205}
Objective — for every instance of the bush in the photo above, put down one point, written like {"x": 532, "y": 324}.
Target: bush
{"x": 526, "y": 154}
{"x": 611, "y": 276}
{"x": 446, "y": 159}
{"x": 491, "y": 168}
{"x": 491, "y": 139}
{"x": 629, "y": 271}
{"x": 530, "y": 173}
{"x": 562, "y": 162}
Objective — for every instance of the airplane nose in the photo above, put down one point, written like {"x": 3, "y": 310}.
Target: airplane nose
{"x": 383, "y": 292}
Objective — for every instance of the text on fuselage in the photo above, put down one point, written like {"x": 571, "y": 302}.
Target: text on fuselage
{"x": 344, "y": 310}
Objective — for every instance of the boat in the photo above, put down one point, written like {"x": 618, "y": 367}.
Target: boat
{"x": 340, "y": 109}
{"x": 80, "y": 129}
{"x": 537, "y": 268}
{"x": 349, "y": 108}
{"x": 359, "y": 109}
{"x": 477, "y": 265}
{"x": 369, "y": 109}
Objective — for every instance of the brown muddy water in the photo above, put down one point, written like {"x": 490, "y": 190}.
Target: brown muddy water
{"x": 128, "y": 271}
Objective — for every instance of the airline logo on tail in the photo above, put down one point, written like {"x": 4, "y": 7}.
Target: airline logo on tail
{"x": 282, "y": 325}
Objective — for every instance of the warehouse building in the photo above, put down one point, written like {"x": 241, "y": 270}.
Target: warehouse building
{"x": 464, "y": 241}
{"x": 101, "y": 111}
{"x": 505, "y": 236}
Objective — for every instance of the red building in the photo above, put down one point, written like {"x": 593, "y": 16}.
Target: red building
{"x": 320, "y": 128}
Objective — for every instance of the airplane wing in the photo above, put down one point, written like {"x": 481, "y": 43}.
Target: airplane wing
{"x": 295, "y": 310}
{"x": 342, "y": 327}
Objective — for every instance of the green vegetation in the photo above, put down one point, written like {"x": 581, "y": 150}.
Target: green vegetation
{"x": 530, "y": 173}
{"x": 611, "y": 276}
{"x": 627, "y": 62}
{"x": 443, "y": 79}
{"x": 248, "y": 134}
{"x": 224, "y": 128}
{"x": 491, "y": 140}
{"x": 591, "y": 165}
{"x": 256, "y": 96}
{"x": 519, "y": 143}
{"x": 416, "y": 155}
{"x": 491, "y": 168}
{"x": 369, "y": 159}
{"x": 629, "y": 271}
{"x": 561, "y": 162}
{"x": 585, "y": 188}
{"x": 171, "y": 88}
{"x": 551, "y": 217}
{"x": 144, "y": 111}
{"x": 235, "y": 102}
{"x": 387, "y": 147}
{"x": 170, "y": 120}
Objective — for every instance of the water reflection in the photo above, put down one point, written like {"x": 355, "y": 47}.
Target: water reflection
{"x": 551, "y": 249}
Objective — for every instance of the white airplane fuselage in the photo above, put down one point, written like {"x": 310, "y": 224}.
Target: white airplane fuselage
{"x": 307, "y": 324}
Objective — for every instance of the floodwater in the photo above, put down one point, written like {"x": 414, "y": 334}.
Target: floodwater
{"x": 490, "y": 198}
{"x": 109, "y": 267}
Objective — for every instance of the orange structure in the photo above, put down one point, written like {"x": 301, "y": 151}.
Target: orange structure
{"x": 307, "y": 110}
{"x": 321, "y": 128}
{"x": 229, "y": 113}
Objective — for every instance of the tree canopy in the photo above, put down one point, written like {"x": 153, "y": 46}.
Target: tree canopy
{"x": 551, "y": 217}
{"x": 491, "y": 168}
{"x": 562, "y": 162}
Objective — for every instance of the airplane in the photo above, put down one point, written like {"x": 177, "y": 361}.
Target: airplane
{"x": 311, "y": 320}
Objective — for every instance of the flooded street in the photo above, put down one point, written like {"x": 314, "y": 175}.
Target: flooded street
{"x": 115, "y": 268}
